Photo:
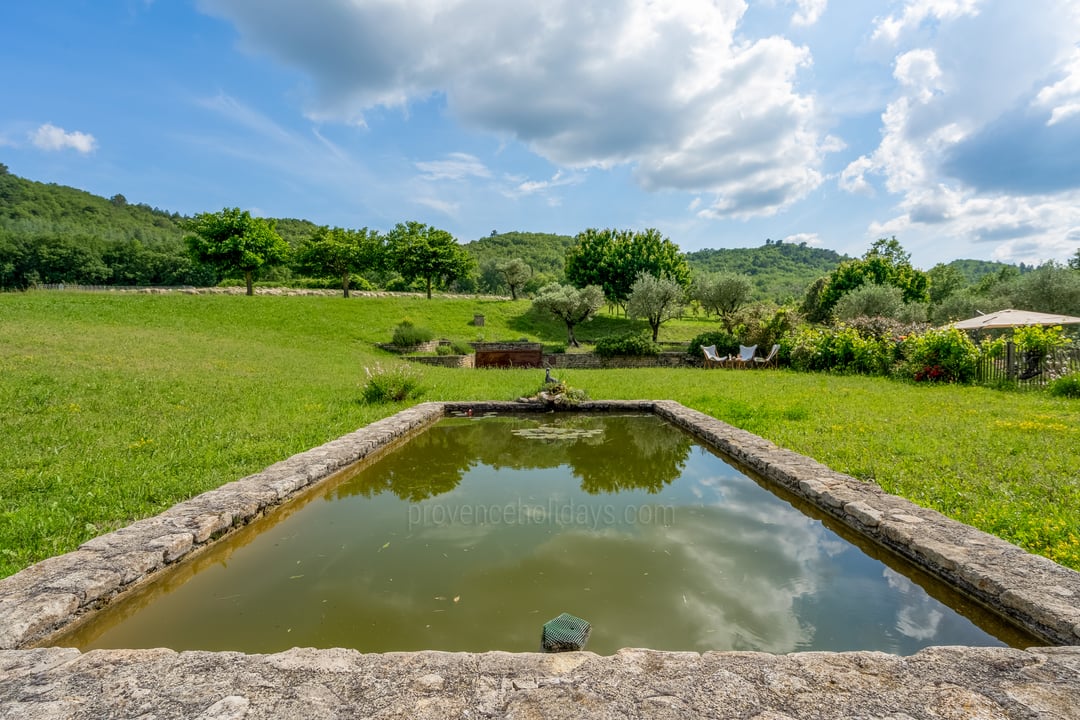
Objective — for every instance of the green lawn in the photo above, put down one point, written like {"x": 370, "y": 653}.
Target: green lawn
{"x": 114, "y": 407}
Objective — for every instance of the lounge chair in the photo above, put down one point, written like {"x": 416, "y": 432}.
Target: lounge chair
{"x": 745, "y": 357}
{"x": 769, "y": 359}
{"x": 711, "y": 357}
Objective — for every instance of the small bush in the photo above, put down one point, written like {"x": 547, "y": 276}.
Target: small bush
{"x": 726, "y": 344}
{"x": 461, "y": 348}
{"x": 408, "y": 335}
{"x": 395, "y": 384}
{"x": 445, "y": 350}
{"x": 1067, "y": 386}
{"x": 630, "y": 344}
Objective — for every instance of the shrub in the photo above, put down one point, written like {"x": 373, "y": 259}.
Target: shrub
{"x": 1067, "y": 386}
{"x": 725, "y": 342}
{"x": 943, "y": 355}
{"x": 841, "y": 349}
{"x": 394, "y": 384}
{"x": 632, "y": 344}
{"x": 408, "y": 335}
{"x": 461, "y": 348}
{"x": 445, "y": 350}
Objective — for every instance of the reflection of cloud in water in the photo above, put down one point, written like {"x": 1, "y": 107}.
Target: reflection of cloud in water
{"x": 918, "y": 617}
{"x": 741, "y": 585}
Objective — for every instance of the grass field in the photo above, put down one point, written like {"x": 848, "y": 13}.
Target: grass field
{"x": 114, "y": 407}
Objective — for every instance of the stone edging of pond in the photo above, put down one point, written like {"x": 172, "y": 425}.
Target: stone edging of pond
{"x": 1032, "y": 591}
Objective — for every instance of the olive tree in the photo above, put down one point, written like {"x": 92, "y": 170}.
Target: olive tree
{"x": 655, "y": 299}
{"x": 234, "y": 241}
{"x": 515, "y": 273}
{"x": 569, "y": 304}
{"x": 723, "y": 294}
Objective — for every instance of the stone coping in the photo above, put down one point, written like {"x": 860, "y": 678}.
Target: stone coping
{"x": 942, "y": 682}
{"x": 1035, "y": 593}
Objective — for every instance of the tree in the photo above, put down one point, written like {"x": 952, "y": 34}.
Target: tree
{"x": 420, "y": 251}
{"x": 944, "y": 281}
{"x": 569, "y": 304}
{"x": 723, "y": 294}
{"x": 1074, "y": 261}
{"x": 234, "y": 241}
{"x": 655, "y": 299}
{"x": 885, "y": 263}
{"x": 337, "y": 252}
{"x": 870, "y": 300}
{"x": 515, "y": 273}
{"x": 613, "y": 259}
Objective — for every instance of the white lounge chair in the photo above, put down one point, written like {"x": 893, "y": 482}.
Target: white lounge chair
{"x": 769, "y": 359}
{"x": 711, "y": 357}
{"x": 745, "y": 357}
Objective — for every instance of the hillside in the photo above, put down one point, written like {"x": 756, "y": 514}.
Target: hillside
{"x": 780, "y": 271}
{"x": 52, "y": 233}
{"x": 544, "y": 252}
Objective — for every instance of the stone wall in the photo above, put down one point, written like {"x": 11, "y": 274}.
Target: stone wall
{"x": 451, "y": 361}
{"x": 425, "y": 347}
{"x": 594, "y": 361}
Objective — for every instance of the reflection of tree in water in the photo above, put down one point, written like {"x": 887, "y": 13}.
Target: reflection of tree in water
{"x": 632, "y": 453}
{"x": 638, "y": 454}
{"x": 430, "y": 464}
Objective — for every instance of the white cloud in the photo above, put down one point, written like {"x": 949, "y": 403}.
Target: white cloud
{"x": 809, "y": 11}
{"x": 808, "y": 238}
{"x": 950, "y": 134}
{"x": 50, "y": 137}
{"x": 1063, "y": 97}
{"x": 524, "y": 187}
{"x": 665, "y": 86}
{"x": 446, "y": 207}
{"x": 916, "y": 12}
{"x": 456, "y": 166}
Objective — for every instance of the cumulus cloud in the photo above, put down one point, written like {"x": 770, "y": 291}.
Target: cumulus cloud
{"x": 50, "y": 137}
{"x": 917, "y": 12}
{"x": 1063, "y": 97}
{"x": 667, "y": 87}
{"x": 809, "y": 11}
{"x": 808, "y": 238}
{"x": 977, "y": 140}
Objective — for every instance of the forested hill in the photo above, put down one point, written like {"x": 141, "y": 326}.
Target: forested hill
{"x": 780, "y": 271}
{"x": 544, "y": 252}
{"x": 39, "y": 209}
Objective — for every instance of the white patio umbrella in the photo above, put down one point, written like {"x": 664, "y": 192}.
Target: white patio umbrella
{"x": 1013, "y": 318}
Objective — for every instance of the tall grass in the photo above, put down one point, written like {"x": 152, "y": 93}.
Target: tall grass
{"x": 114, "y": 407}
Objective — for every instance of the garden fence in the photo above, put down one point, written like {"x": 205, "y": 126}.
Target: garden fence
{"x": 1028, "y": 369}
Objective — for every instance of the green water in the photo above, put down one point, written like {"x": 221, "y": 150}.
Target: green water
{"x": 476, "y": 532}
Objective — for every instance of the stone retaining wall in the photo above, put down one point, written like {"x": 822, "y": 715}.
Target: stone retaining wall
{"x": 592, "y": 360}
{"x": 939, "y": 682}
{"x": 451, "y": 361}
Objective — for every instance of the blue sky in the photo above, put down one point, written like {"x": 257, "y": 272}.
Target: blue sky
{"x": 952, "y": 124}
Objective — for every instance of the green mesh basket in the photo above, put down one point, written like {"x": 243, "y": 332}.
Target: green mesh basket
{"x": 565, "y": 633}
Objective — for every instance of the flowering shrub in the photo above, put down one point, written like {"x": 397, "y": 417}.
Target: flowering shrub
{"x": 945, "y": 355}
